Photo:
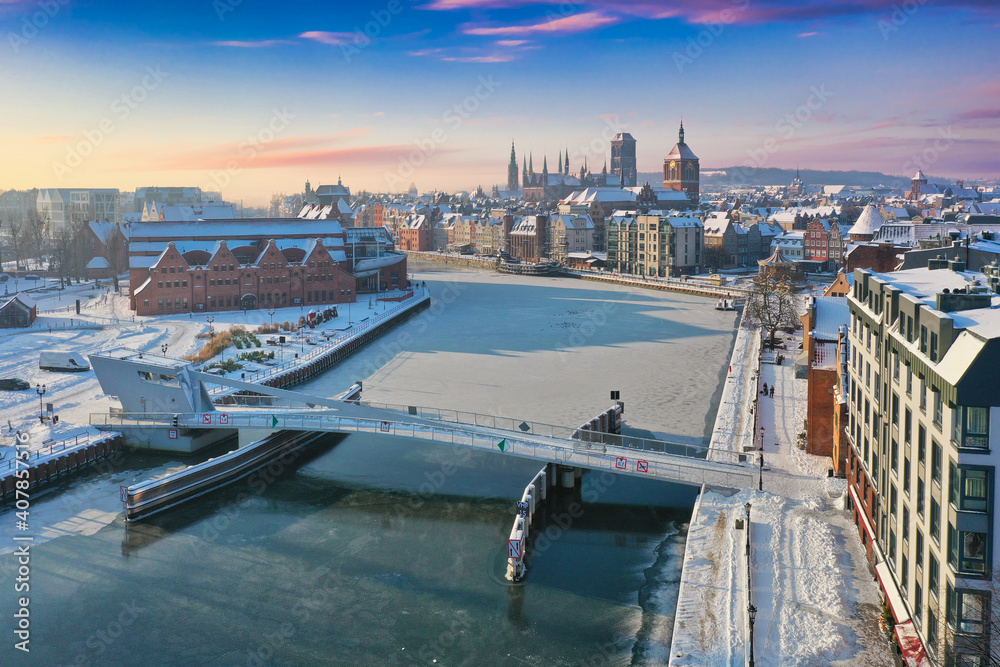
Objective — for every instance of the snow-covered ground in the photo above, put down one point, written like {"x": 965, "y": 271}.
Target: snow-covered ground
{"x": 817, "y": 603}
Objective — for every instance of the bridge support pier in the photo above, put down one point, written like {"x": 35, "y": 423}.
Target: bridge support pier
{"x": 568, "y": 476}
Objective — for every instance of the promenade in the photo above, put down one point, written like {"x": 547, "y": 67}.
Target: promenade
{"x": 816, "y": 601}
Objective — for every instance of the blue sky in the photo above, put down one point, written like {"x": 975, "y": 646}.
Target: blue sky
{"x": 253, "y": 98}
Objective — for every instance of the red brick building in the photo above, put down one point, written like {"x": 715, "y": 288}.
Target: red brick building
{"x": 821, "y": 325}
{"x": 249, "y": 264}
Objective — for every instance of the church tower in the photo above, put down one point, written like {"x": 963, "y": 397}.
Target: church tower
{"x": 681, "y": 170}
{"x": 512, "y": 185}
{"x": 623, "y": 158}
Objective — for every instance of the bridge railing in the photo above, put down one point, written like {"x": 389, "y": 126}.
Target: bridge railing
{"x": 572, "y": 453}
{"x": 511, "y": 428}
{"x": 563, "y": 432}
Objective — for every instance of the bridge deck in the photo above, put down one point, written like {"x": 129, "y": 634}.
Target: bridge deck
{"x": 620, "y": 454}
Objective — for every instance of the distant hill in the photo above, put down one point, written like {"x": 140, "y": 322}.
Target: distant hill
{"x": 772, "y": 176}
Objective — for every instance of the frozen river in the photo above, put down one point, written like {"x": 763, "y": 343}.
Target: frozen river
{"x": 375, "y": 551}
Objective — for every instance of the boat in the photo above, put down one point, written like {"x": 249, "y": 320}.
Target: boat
{"x": 546, "y": 268}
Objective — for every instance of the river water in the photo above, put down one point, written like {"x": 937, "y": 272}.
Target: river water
{"x": 375, "y": 550}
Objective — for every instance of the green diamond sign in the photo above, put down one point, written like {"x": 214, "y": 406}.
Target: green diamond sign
{"x": 274, "y": 421}
{"x": 503, "y": 445}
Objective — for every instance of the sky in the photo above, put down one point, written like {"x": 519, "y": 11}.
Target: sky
{"x": 252, "y": 98}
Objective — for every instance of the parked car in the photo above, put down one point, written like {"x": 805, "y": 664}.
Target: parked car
{"x": 14, "y": 384}
{"x": 32, "y": 276}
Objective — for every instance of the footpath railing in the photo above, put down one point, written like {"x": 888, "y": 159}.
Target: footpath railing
{"x": 50, "y": 447}
{"x": 692, "y": 286}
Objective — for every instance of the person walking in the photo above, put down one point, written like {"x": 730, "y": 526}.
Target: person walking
{"x": 764, "y": 391}
{"x": 772, "y": 391}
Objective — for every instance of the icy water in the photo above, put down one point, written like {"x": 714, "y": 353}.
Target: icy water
{"x": 375, "y": 551}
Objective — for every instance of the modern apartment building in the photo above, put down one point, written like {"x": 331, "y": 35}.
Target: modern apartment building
{"x": 655, "y": 244}
{"x": 924, "y": 447}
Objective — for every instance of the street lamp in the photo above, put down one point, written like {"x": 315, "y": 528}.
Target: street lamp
{"x": 762, "y": 438}
{"x": 752, "y": 613}
{"x": 40, "y": 390}
{"x": 760, "y": 478}
{"x": 270, "y": 312}
{"x": 163, "y": 348}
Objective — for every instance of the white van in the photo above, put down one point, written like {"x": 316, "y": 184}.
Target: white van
{"x": 62, "y": 360}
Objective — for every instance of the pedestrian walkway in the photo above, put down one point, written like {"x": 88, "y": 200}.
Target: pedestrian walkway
{"x": 816, "y": 602}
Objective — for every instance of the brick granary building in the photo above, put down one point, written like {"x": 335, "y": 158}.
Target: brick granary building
{"x": 245, "y": 264}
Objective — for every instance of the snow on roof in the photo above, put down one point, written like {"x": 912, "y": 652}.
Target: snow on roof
{"x": 218, "y": 229}
{"x": 832, "y": 312}
{"x": 825, "y": 355}
{"x": 684, "y": 222}
{"x": 24, "y": 298}
{"x": 98, "y": 263}
{"x": 923, "y": 284}
{"x": 868, "y": 222}
{"x": 681, "y": 152}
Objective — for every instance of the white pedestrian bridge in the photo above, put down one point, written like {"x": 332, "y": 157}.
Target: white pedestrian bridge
{"x": 573, "y": 447}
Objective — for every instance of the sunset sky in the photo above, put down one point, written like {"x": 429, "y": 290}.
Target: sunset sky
{"x": 252, "y": 98}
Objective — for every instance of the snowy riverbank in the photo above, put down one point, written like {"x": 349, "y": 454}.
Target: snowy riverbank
{"x": 817, "y": 602}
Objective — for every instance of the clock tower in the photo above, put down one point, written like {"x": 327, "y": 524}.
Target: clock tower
{"x": 681, "y": 170}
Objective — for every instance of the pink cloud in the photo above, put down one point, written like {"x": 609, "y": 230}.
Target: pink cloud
{"x": 252, "y": 44}
{"x": 807, "y": 34}
{"x": 512, "y": 42}
{"x": 570, "y": 24}
{"x": 330, "y": 38}
{"x": 480, "y": 59}
{"x": 723, "y": 11}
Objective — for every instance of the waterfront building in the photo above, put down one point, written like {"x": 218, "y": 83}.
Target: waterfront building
{"x": 655, "y": 244}
{"x": 245, "y": 264}
{"x": 924, "y": 436}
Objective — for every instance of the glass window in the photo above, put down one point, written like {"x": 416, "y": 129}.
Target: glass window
{"x": 920, "y": 496}
{"x": 921, "y": 445}
{"x": 932, "y": 575}
{"x": 966, "y": 610}
{"x": 938, "y": 407}
{"x": 936, "y": 462}
{"x": 919, "y": 551}
{"x": 909, "y": 380}
{"x": 977, "y": 428}
{"x": 906, "y": 475}
{"x": 935, "y": 527}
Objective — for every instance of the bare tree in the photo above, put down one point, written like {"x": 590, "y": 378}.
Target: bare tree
{"x": 972, "y": 626}
{"x": 117, "y": 245}
{"x": 770, "y": 305}
{"x": 14, "y": 228}
{"x": 36, "y": 232}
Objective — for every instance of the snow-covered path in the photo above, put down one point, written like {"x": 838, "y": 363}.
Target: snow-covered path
{"x": 817, "y": 603}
